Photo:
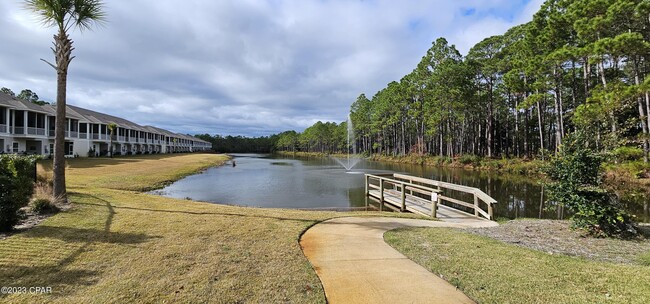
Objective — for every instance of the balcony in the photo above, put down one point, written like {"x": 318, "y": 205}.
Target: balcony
{"x": 36, "y": 131}
{"x": 83, "y": 135}
{"x": 74, "y": 134}
{"x": 52, "y": 133}
{"x": 19, "y": 130}
{"x": 120, "y": 138}
{"x": 3, "y": 129}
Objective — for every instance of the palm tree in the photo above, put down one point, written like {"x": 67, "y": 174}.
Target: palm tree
{"x": 66, "y": 15}
{"x": 111, "y": 129}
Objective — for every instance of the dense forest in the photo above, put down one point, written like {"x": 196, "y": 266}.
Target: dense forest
{"x": 240, "y": 144}
{"x": 578, "y": 65}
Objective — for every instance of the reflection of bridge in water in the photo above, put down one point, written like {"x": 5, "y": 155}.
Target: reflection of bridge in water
{"x": 446, "y": 201}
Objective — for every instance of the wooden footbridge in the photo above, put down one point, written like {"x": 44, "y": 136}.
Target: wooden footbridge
{"x": 429, "y": 197}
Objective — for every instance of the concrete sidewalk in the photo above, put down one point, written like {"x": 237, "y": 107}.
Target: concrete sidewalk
{"x": 355, "y": 265}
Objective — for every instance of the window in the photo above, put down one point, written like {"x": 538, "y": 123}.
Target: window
{"x": 69, "y": 148}
{"x": 15, "y": 147}
{"x": 3, "y": 116}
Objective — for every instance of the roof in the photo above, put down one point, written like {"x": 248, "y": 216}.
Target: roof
{"x": 96, "y": 117}
{"x": 85, "y": 115}
{"x": 20, "y": 105}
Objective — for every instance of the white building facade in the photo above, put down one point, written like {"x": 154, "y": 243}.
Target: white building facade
{"x": 28, "y": 128}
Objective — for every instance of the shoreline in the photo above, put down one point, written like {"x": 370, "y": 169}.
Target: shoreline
{"x": 615, "y": 175}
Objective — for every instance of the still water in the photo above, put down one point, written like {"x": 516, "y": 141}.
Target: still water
{"x": 322, "y": 183}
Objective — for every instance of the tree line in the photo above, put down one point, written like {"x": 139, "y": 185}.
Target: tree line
{"x": 579, "y": 64}
{"x": 240, "y": 144}
{"x": 25, "y": 94}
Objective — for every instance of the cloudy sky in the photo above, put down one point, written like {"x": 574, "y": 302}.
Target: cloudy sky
{"x": 245, "y": 67}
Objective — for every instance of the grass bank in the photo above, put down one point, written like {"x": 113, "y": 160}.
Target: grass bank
{"x": 120, "y": 245}
{"x": 491, "y": 271}
{"x": 471, "y": 162}
{"x": 622, "y": 174}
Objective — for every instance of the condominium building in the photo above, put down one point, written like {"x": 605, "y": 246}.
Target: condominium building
{"x": 28, "y": 128}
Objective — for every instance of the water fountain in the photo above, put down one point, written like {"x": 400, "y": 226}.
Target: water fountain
{"x": 351, "y": 161}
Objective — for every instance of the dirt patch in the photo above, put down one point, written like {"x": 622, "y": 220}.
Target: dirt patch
{"x": 556, "y": 237}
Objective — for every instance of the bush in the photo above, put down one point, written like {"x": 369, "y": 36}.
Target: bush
{"x": 576, "y": 179}
{"x": 492, "y": 164}
{"x": 43, "y": 205}
{"x": 43, "y": 201}
{"x": 469, "y": 159}
{"x": 16, "y": 187}
{"x": 443, "y": 160}
{"x": 627, "y": 153}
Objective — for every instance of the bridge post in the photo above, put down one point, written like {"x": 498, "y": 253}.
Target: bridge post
{"x": 403, "y": 197}
{"x": 367, "y": 182}
{"x": 435, "y": 199}
{"x": 476, "y": 205}
{"x": 490, "y": 212}
{"x": 381, "y": 194}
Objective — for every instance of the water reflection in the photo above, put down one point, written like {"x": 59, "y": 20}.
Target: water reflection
{"x": 320, "y": 183}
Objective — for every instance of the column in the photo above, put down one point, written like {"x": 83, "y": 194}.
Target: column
{"x": 25, "y": 122}
{"x": 8, "y": 120}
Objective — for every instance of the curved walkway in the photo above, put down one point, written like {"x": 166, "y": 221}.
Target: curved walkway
{"x": 355, "y": 265}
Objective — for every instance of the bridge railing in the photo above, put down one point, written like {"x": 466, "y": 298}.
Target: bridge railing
{"x": 482, "y": 204}
{"x": 385, "y": 181}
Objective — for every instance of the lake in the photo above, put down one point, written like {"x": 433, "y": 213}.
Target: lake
{"x": 273, "y": 181}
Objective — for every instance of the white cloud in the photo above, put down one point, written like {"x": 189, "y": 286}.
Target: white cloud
{"x": 243, "y": 67}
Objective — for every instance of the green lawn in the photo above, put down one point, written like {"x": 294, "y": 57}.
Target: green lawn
{"x": 491, "y": 271}
{"x": 117, "y": 245}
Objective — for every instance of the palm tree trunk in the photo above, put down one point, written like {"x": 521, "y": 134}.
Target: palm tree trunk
{"x": 59, "y": 138}
{"x": 62, "y": 52}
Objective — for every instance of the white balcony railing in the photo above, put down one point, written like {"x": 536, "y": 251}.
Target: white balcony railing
{"x": 19, "y": 130}
{"x": 35, "y": 131}
{"x": 3, "y": 129}
{"x": 83, "y": 135}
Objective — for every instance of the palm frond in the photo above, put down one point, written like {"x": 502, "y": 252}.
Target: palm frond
{"x": 50, "y": 12}
{"x": 88, "y": 13}
{"x": 66, "y": 14}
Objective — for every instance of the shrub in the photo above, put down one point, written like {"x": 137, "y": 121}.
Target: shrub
{"x": 469, "y": 159}
{"x": 576, "y": 179}
{"x": 16, "y": 187}
{"x": 492, "y": 164}
{"x": 443, "y": 160}
{"x": 43, "y": 201}
{"x": 43, "y": 205}
{"x": 627, "y": 153}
